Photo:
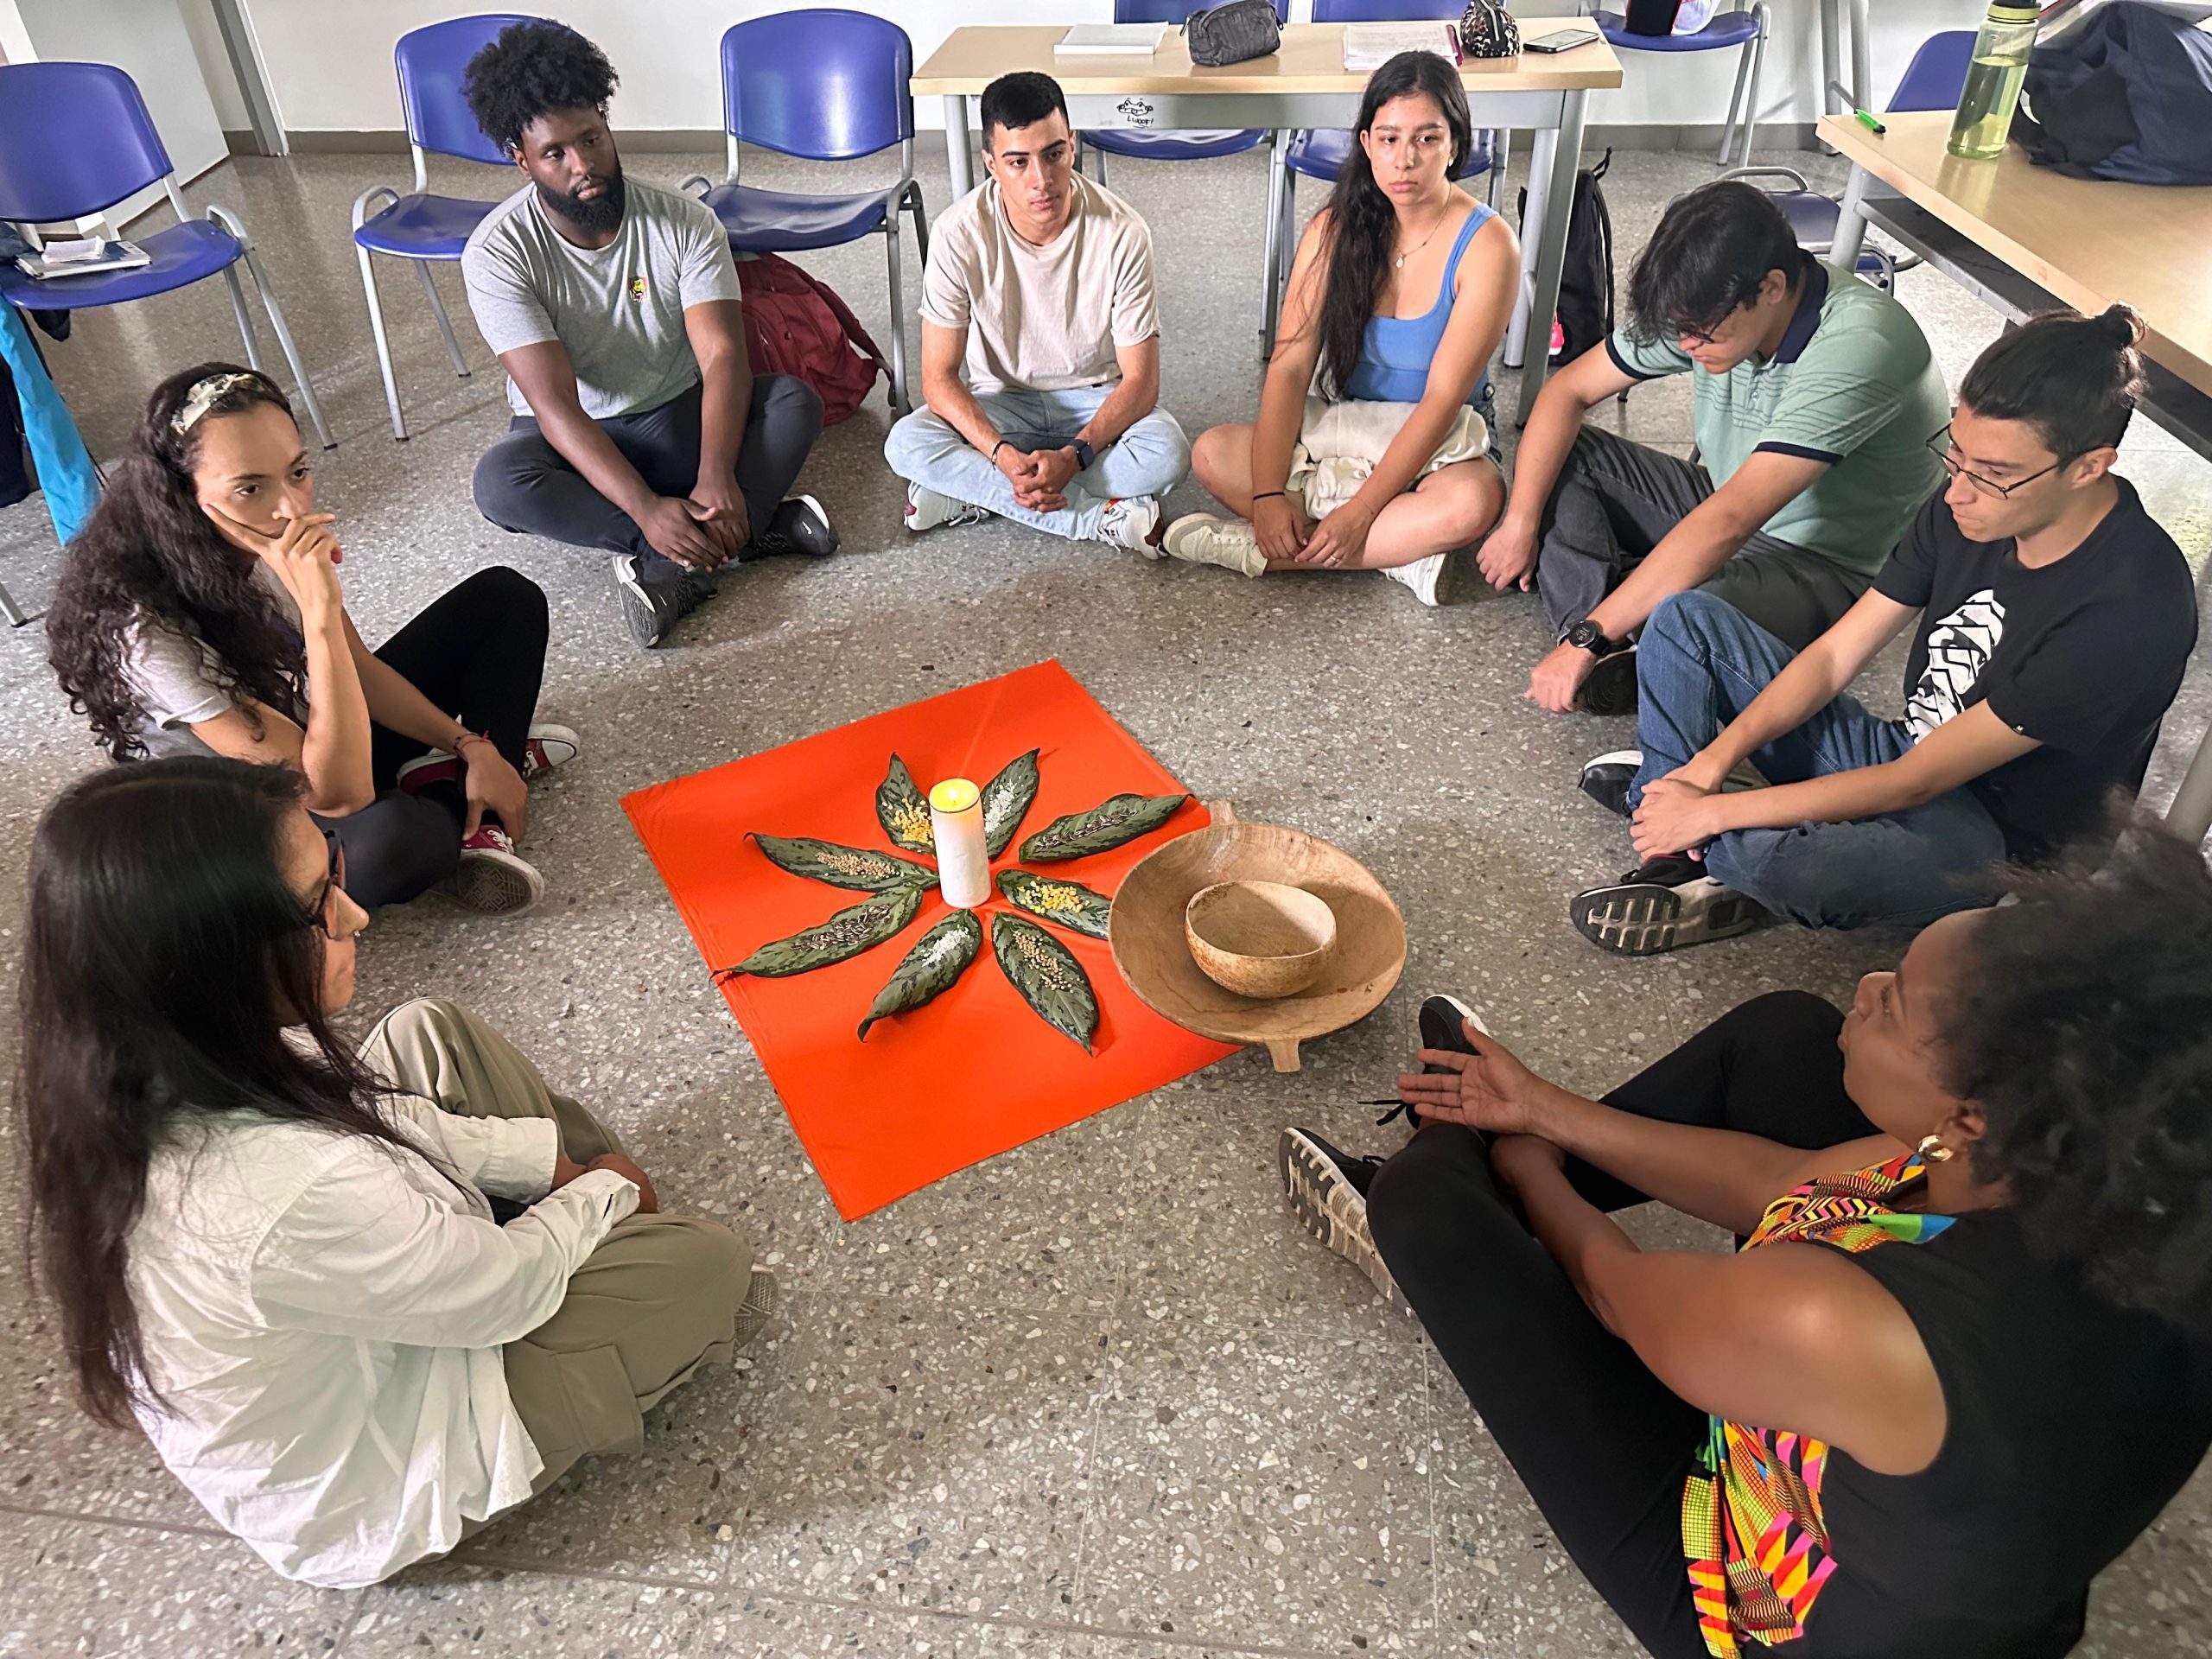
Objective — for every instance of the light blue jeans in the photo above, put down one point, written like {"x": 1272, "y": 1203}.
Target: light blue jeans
{"x": 1699, "y": 663}
{"x": 1150, "y": 459}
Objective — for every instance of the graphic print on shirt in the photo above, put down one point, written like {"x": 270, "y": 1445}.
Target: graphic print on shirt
{"x": 1959, "y": 649}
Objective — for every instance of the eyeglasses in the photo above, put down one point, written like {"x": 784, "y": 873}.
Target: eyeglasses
{"x": 317, "y": 914}
{"x": 1941, "y": 445}
{"x": 1697, "y": 336}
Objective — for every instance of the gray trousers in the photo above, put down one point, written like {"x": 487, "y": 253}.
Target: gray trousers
{"x": 1616, "y": 500}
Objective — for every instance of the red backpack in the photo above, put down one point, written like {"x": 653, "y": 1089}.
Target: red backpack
{"x": 795, "y": 325}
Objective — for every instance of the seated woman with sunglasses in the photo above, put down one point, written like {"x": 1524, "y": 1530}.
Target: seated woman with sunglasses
{"x": 283, "y": 1258}
{"x": 2056, "y": 618}
{"x": 200, "y": 612}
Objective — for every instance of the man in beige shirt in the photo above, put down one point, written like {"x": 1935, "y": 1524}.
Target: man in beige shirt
{"x": 1040, "y": 346}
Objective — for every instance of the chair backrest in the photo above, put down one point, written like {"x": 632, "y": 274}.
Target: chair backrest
{"x": 825, "y": 85}
{"x": 1386, "y": 11}
{"x": 1937, "y": 74}
{"x": 75, "y": 138}
{"x": 1174, "y": 12}
{"x": 431, "y": 61}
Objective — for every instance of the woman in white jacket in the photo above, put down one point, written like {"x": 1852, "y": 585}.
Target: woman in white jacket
{"x": 283, "y": 1258}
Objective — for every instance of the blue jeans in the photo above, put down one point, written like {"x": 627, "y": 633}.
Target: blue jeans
{"x": 1699, "y": 665}
{"x": 1150, "y": 459}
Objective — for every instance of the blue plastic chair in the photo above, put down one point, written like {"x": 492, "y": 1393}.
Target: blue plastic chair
{"x": 75, "y": 138}
{"x": 1741, "y": 30}
{"x": 1193, "y": 145}
{"x": 419, "y": 227}
{"x": 1933, "y": 80}
{"x": 1320, "y": 153}
{"x": 823, "y": 85}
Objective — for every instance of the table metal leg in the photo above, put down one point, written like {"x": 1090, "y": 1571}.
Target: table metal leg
{"x": 1551, "y": 257}
{"x": 1276, "y": 255}
{"x": 1831, "y": 55}
{"x": 1540, "y": 151}
{"x": 1862, "y": 56}
{"x": 1850, "y": 222}
{"x": 959, "y": 147}
{"x": 2191, "y": 815}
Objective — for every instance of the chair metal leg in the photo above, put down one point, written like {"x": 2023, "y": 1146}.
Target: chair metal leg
{"x": 383, "y": 346}
{"x": 1501, "y": 156}
{"x": 920, "y": 212}
{"x": 899, "y": 401}
{"x": 445, "y": 323}
{"x": 1735, "y": 102}
{"x": 10, "y": 613}
{"x": 1271, "y": 251}
{"x": 291, "y": 350}
{"x": 1098, "y": 158}
{"x": 1751, "y": 93}
{"x": 245, "y": 319}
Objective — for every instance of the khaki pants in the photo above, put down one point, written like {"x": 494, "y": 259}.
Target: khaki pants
{"x": 662, "y": 1296}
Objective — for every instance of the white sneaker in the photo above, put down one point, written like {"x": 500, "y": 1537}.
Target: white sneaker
{"x": 1129, "y": 521}
{"x": 492, "y": 878}
{"x": 1425, "y": 576}
{"x": 1204, "y": 538}
{"x": 927, "y": 509}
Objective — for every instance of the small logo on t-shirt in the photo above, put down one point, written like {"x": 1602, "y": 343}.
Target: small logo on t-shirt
{"x": 638, "y": 290}
{"x": 1958, "y": 650}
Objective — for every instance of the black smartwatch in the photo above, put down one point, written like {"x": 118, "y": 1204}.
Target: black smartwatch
{"x": 1584, "y": 636}
{"x": 1084, "y": 455}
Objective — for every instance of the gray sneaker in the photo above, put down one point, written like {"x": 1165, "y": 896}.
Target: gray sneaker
{"x": 653, "y": 599}
{"x": 1327, "y": 1192}
{"x": 1207, "y": 538}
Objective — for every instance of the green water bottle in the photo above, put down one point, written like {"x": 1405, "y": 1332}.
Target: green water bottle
{"x": 1993, "y": 79}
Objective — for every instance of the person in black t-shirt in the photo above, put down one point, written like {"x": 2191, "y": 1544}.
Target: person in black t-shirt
{"x": 2055, "y": 620}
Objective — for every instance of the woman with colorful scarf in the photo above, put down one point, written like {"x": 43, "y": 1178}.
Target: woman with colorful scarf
{"x": 1958, "y": 1363}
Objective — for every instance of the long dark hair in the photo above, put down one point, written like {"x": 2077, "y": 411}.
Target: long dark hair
{"x": 1361, "y": 219}
{"x": 2080, "y": 1029}
{"x": 2075, "y": 379}
{"x": 150, "y": 556}
{"x": 165, "y": 949}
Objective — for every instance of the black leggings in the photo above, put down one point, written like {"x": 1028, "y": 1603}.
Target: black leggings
{"x": 478, "y": 653}
{"x": 1603, "y": 1446}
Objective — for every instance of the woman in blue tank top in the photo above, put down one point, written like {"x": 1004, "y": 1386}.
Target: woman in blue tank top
{"x": 1372, "y": 448}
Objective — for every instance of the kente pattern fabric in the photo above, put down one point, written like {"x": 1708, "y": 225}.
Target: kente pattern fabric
{"x": 1752, "y": 1529}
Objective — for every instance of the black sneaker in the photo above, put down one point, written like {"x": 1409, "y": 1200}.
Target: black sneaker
{"x": 798, "y": 525}
{"x": 1610, "y": 687}
{"x": 1606, "y": 779}
{"x": 655, "y": 595}
{"x": 1327, "y": 1191}
{"x": 1662, "y": 905}
{"x": 1443, "y": 1022}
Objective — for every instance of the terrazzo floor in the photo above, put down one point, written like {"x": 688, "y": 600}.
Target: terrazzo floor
{"x": 1097, "y": 1398}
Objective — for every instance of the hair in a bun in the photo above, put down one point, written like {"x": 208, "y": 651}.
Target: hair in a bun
{"x": 2075, "y": 379}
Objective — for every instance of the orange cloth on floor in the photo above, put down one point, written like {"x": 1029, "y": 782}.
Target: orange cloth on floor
{"x": 975, "y": 1073}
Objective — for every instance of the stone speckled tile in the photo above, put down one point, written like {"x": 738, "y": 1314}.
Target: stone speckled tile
{"x": 143, "y": 1593}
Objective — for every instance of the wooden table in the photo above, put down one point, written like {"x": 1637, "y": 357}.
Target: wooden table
{"x": 1304, "y": 85}
{"x": 2025, "y": 238}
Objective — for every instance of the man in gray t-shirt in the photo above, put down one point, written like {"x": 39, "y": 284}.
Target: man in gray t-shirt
{"x": 614, "y": 306}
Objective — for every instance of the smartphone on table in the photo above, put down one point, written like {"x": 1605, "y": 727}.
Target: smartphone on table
{"x": 1560, "y": 39}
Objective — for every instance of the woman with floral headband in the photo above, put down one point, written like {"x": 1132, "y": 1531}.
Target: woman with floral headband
{"x": 200, "y": 612}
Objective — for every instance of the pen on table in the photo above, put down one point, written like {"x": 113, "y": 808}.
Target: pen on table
{"x": 1869, "y": 122}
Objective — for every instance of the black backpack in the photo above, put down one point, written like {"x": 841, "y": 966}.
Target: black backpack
{"x": 2126, "y": 94}
{"x": 1585, "y": 282}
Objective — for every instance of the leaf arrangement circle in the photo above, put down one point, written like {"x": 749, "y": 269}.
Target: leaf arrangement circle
{"x": 1042, "y": 970}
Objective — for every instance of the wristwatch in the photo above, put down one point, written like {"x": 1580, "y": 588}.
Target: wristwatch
{"x": 1084, "y": 455}
{"x": 1587, "y": 636}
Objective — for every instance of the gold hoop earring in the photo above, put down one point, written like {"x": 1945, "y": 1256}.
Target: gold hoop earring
{"x": 1932, "y": 1150}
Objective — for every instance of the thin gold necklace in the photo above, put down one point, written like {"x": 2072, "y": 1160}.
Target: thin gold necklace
{"x": 1400, "y": 263}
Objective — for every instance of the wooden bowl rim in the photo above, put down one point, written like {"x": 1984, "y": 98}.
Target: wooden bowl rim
{"x": 1191, "y": 925}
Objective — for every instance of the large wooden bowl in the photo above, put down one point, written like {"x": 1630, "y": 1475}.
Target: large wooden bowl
{"x": 1146, "y": 931}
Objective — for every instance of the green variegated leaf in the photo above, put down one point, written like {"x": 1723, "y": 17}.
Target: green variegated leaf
{"x": 1065, "y": 904}
{"x": 938, "y": 958}
{"x": 1048, "y": 977}
{"x": 1110, "y": 824}
{"x": 904, "y": 810}
{"x": 1007, "y": 800}
{"x": 846, "y": 934}
{"x": 860, "y": 868}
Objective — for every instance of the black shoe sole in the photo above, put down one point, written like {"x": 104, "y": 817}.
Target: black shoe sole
{"x": 637, "y": 609}
{"x": 1643, "y": 918}
{"x": 1330, "y": 1207}
{"x": 1610, "y": 687}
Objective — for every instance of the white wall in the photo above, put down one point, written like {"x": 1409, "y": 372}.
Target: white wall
{"x": 215, "y": 69}
{"x": 330, "y": 60}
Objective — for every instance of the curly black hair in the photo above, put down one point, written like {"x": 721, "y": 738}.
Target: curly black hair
{"x": 150, "y": 556}
{"x": 532, "y": 69}
{"x": 2082, "y": 1031}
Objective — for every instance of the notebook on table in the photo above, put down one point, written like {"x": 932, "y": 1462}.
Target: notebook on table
{"x": 1111, "y": 41}
{"x": 1367, "y": 47}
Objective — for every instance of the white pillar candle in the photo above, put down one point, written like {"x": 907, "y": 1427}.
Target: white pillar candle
{"x": 963, "y": 868}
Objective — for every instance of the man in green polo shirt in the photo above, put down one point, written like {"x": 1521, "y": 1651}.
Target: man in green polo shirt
{"x": 1815, "y": 397}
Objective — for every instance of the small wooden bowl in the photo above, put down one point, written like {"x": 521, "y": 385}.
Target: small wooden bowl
{"x": 1153, "y": 950}
{"x": 1260, "y": 939}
